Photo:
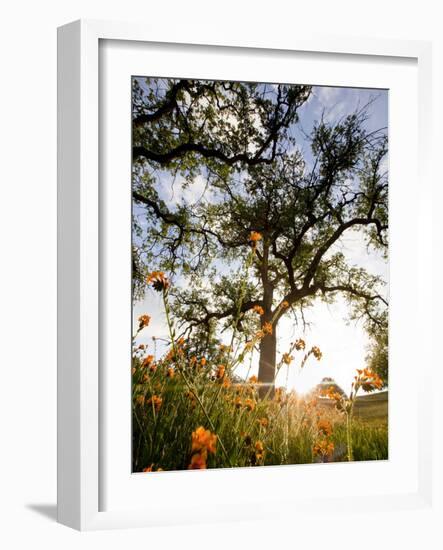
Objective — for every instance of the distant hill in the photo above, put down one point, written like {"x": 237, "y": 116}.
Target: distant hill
{"x": 372, "y": 407}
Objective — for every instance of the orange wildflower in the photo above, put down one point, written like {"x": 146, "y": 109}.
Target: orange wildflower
{"x": 203, "y": 440}
{"x": 170, "y": 372}
{"x": 259, "y": 450}
{"x": 156, "y": 401}
{"x": 220, "y": 372}
{"x": 267, "y": 328}
{"x": 300, "y": 344}
{"x": 158, "y": 280}
{"x": 249, "y": 404}
{"x": 330, "y": 393}
{"x": 287, "y": 359}
{"x": 140, "y": 399}
{"x": 238, "y": 402}
{"x": 203, "y": 361}
{"x": 324, "y": 427}
{"x": 254, "y": 237}
{"x": 284, "y": 304}
{"x": 198, "y": 461}
{"x": 264, "y": 422}
{"x": 259, "y": 310}
{"x": 316, "y": 352}
{"x": 368, "y": 380}
{"x": 147, "y": 361}
{"x": 323, "y": 448}
{"x": 143, "y": 321}
{"x": 253, "y": 380}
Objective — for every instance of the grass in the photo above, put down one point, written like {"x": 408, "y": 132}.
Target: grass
{"x": 372, "y": 408}
{"x": 194, "y": 412}
{"x": 282, "y": 429}
{"x": 369, "y": 428}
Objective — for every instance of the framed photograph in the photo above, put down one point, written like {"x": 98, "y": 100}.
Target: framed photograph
{"x": 238, "y": 308}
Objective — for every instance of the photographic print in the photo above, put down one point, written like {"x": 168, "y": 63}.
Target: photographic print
{"x": 259, "y": 274}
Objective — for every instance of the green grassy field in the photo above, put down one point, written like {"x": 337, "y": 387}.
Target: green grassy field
{"x": 280, "y": 430}
{"x": 371, "y": 408}
{"x": 193, "y": 413}
{"x": 370, "y": 428}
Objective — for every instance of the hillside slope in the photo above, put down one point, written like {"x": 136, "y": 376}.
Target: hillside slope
{"x": 369, "y": 408}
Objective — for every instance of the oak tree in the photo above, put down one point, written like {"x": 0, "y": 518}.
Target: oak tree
{"x": 242, "y": 147}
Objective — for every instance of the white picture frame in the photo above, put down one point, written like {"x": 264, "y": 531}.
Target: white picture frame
{"x": 80, "y": 253}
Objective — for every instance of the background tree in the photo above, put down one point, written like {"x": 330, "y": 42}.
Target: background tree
{"x": 326, "y": 384}
{"x": 189, "y": 127}
{"x": 378, "y": 357}
{"x": 242, "y": 140}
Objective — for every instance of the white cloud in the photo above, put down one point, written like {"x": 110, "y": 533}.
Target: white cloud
{"x": 174, "y": 191}
{"x": 384, "y": 165}
{"x": 327, "y": 94}
{"x": 330, "y": 102}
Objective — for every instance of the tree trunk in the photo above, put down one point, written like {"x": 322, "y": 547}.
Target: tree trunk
{"x": 268, "y": 344}
{"x": 267, "y": 363}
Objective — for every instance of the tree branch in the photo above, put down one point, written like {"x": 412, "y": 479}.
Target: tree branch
{"x": 334, "y": 238}
{"x": 205, "y": 152}
{"x": 166, "y": 108}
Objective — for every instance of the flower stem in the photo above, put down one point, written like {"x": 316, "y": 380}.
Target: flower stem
{"x": 349, "y": 432}
{"x": 188, "y": 384}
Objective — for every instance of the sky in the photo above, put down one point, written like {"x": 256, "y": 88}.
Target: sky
{"x": 343, "y": 345}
